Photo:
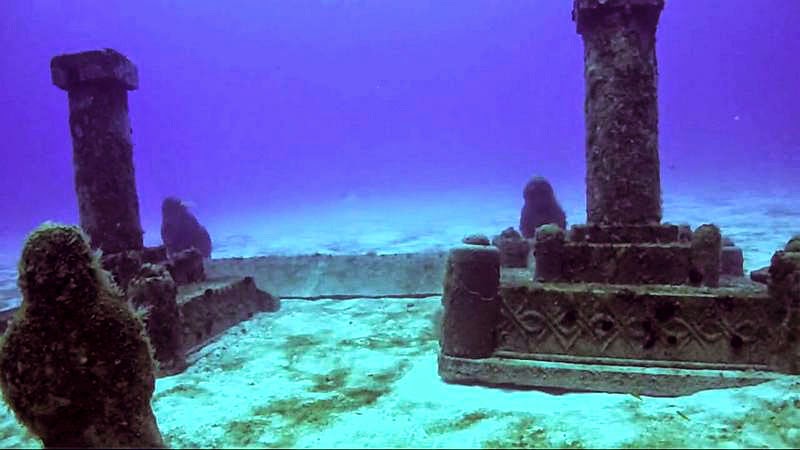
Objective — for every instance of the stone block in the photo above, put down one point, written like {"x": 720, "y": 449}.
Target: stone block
{"x": 732, "y": 261}
{"x": 624, "y": 234}
{"x": 625, "y": 263}
{"x": 96, "y": 66}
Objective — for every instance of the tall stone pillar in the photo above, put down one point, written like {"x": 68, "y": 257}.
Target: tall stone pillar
{"x": 97, "y": 83}
{"x": 622, "y": 167}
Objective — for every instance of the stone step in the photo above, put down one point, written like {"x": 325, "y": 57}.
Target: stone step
{"x": 575, "y": 374}
{"x": 625, "y": 234}
{"x": 637, "y": 263}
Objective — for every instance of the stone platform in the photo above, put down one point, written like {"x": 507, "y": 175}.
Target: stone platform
{"x": 210, "y": 307}
{"x": 661, "y": 340}
{"x": 207, "y": 308}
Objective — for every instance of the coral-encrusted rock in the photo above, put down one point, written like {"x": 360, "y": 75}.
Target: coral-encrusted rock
{"x": 75, "y": 364}
{"x": 187, "y": 267}
{"x": 705, "y": 256}
{"x": 540, "y": 208}
{"x": 476, "y": 239}
{"x": 154, "y": 295}
{"x": 513, "y": 249}
{"x": 180, "y": 229}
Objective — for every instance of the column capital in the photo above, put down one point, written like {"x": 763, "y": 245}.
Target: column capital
{"x": 585, "y": 12}
{"x": 95, "y": 66}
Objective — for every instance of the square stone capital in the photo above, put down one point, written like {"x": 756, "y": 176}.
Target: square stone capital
{"x": 95, "y": 66}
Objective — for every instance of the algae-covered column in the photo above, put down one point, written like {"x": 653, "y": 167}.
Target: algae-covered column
{"x": 622, "y": 167}
{"x": 98, "y": 83}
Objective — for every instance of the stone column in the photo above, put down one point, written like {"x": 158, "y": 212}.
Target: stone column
{"x": 97, "y": 83}
{"x": 622, "y": 167}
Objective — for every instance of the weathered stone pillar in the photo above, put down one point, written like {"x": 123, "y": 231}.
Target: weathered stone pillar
{"x": 97, "y": 83}
{"x": 622, "y": 166}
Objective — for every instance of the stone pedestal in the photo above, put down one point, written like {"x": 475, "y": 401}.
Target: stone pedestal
{"x": 97, "y": 83}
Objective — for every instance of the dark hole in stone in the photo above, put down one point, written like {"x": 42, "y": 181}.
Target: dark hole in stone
{"x": 665, "y": 311}
{"x": 672, "y": 340}
{"x": 569, "y": 318}
{"x": 695, "y": 277}
{"x": 736, "y": 342}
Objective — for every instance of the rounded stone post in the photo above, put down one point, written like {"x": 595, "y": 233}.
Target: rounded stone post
{"x": 706, "y": 249}
{"x": 549, "y": 253}
{"x": 97, "y": 83}
{"x": 471, "y": 301}
{"x": 622, "y": 166}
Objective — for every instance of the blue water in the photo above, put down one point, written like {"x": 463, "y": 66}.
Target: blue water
{"x": 258, "y": 106}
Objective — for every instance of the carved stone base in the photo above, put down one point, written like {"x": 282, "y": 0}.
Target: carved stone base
{"x": 575, "y": 375}
{"x": 678, "y": 324}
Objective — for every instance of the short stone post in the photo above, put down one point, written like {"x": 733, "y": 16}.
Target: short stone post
{"x": 97, "y": 83}
{"x": 622, "y": 166}
{"x": 549, "y": 253}
{"x": 471, "y": 301}
{"x": 706, "y": 249}
{"x": 784, "y": 292}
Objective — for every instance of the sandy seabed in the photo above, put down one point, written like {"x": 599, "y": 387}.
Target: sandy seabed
{"x": 362, "y": 372}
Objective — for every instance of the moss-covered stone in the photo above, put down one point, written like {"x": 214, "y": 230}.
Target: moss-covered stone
{"x": 793, "y": 245}
{"x": 76, "y": 365}
{"x": 97, "y": 83}
{"x": 622, "y": 164}
{"x": 705, "y": 256}
{"x": 154, "y": 291}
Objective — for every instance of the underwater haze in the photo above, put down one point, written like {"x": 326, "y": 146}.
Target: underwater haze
{"x": 251, "y": 108}
{"x": 397, "y": 128}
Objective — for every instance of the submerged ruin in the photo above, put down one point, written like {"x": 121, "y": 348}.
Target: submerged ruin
{"x": 623, "y": 303}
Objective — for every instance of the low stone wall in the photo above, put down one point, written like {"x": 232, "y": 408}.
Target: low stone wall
{"x": 310, "y": 276}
